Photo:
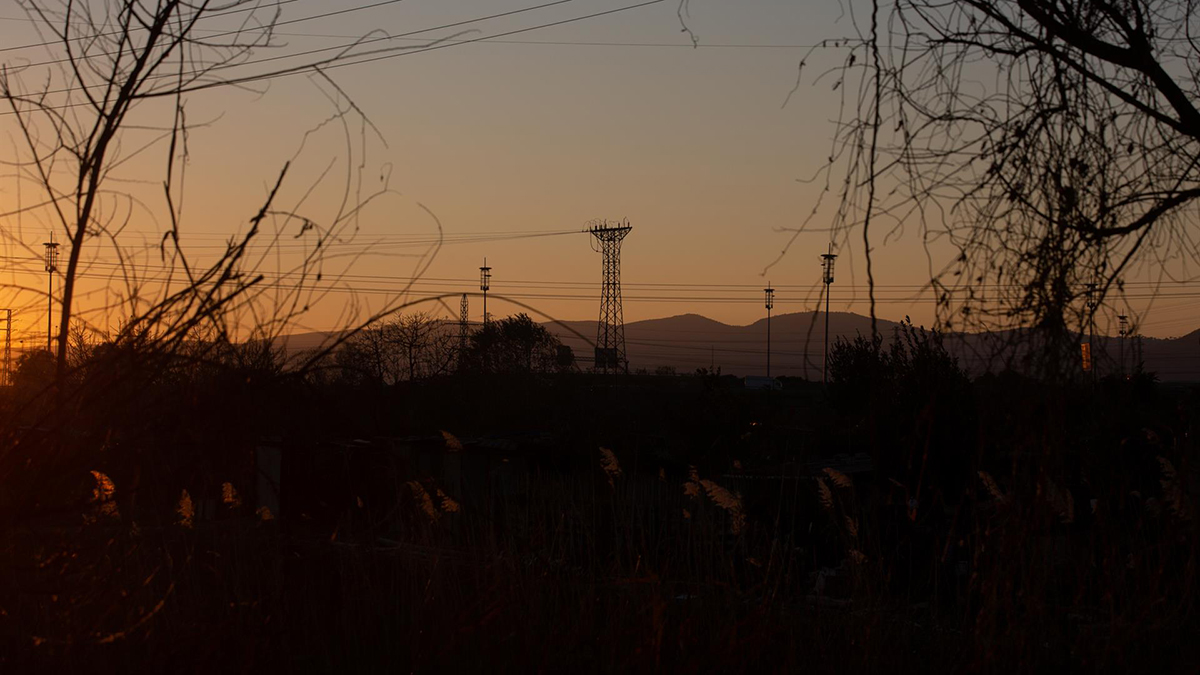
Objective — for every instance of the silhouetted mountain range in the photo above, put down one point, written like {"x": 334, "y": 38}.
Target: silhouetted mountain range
{"x": 690, "y": 341}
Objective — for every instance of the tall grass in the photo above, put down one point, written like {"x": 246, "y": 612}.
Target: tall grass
{"x": 1055, "y": 539}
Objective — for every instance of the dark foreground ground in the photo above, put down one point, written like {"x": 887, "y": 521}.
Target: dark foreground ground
{"x": 902, "y": 520}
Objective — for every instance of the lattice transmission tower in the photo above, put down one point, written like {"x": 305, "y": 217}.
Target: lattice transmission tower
{"x": 464, "y": 337}
{"x": 464, "y": 319}
{"x": 610, "y": 333}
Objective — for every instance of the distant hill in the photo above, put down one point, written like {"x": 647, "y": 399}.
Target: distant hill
{"x": 690, "y": 341}
{"x": 302, "y": 342}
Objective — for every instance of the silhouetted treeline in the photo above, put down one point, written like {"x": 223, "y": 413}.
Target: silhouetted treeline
{"x": 906, "y": 514}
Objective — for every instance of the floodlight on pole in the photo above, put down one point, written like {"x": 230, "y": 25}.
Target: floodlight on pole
{"x": 51, "y": 267}
{"x": 827, "y": 277}
{"x": 770, "y": 304}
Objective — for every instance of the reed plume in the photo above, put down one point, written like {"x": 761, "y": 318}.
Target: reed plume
{"x": 612, "y": 468}
{"x": 186, "y": 511}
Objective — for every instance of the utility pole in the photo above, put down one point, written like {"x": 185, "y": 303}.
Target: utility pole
{"x": 8, "y": 346}
{"x": 1123, "y": 332}
{"x": 1137, "y": 349}
{"x": 51, "y": 266}
{"x": 610, "y": 332}
{"x": 770, "y": 303}
{"x": 1091, "y": 310}
{"x": 485, "y": 282}
{"x": 827, "y": 277}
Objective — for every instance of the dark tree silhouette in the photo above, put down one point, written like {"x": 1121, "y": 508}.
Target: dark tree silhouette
{"x": 516, "y": 345}
{"x": 113, "y": 84}
{"x": 1051, "y": 144}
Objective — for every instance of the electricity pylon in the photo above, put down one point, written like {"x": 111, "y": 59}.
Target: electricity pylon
{"x": 464, "y": 317}
{"x": 610, "y": 332}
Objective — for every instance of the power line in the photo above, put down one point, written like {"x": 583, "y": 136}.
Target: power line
{"x": 215, "y": 15}
{"x": 357, "y": 42}
{"x": 591, "y": 43}
{"x": 348, "y": 60}
{"x": 750, "y": 290}
{"x": 342, "y": 64}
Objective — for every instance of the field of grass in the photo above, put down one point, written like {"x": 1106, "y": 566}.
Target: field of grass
{"x": 672, "y": 523}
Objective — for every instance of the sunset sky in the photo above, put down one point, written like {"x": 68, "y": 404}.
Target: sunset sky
{"x": 539, "y": 132}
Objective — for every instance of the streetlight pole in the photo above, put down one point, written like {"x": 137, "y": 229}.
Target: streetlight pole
{"x": 770, "y": 302}
{"x": 827, "y": 277}
{"x": 51, "y": 266}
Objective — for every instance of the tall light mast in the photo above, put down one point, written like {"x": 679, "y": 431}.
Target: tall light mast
{"x": 51, "y": 267}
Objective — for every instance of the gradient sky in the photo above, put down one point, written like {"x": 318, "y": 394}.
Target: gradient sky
{"x": 693, "y": 146}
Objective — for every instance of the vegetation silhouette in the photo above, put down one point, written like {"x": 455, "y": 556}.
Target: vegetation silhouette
{"x": 182, "y": 489}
